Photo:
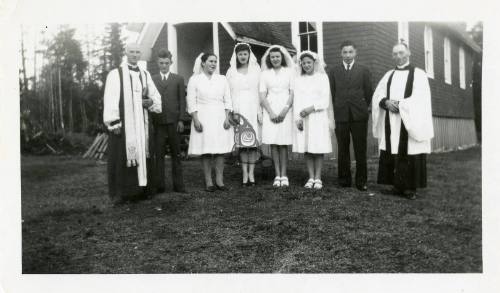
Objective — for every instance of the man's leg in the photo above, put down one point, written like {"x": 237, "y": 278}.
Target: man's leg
{"x": 343, "y": 153}
{"x": 175, "y": 152}
{"x": 359, "y": 130}
{"x": 159, "y": 156}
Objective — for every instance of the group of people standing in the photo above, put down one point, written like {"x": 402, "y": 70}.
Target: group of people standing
{"x": 281, "y": 103}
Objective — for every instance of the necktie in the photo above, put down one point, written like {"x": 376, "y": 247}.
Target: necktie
{"x": 348, "y": 67}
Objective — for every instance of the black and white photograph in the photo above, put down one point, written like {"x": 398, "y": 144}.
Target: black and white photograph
{"x": 296, "y": 147}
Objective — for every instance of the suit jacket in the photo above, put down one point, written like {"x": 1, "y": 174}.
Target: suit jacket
{"x": 351, "y": 92}
{"x": 173, "y": 99}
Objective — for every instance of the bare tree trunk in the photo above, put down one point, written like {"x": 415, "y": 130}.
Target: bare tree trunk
{"x": 60, "y": 98}
{"x": 25, "y": 79}
{"x": 84, "y": 115}
{"x": 51, "y": 105}
{"x": 70, "y": 109}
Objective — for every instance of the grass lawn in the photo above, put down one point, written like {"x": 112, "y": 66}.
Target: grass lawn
{"x": 70, "y": 227}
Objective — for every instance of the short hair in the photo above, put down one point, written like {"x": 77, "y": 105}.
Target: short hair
{"x": 205, "y": 56}
{"x": 164, "y": 53}
{"x": 348, "y": 43}
{"x": 268, "y": 58}
{"x": 402, "y": 42}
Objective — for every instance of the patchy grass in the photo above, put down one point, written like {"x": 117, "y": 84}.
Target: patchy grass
{"x": 70, "y": 227}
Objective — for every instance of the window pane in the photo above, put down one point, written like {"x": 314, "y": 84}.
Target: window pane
{"x": 313, "y": 43}
{"x": 302, "y": 27}
{"x": 311, "y": 26}
{"x": 303, "y": 43}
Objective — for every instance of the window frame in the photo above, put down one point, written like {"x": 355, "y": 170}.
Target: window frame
{"x": 429, "y": 51}
{"x": 447, "y": 60}
{"x": 461, "y": 66}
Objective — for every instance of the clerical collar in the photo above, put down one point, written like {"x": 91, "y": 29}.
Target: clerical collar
{"x": 405, "y": 66}
{"x": 350, "y": 64}
{"x": 133, "y": 67}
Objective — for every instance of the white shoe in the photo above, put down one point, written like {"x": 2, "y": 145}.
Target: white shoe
{"x": 277, "y": 181}
{"x": 318, "y": 184}
{"x": 284, "y": 181}
{"x": 309, "y": 183}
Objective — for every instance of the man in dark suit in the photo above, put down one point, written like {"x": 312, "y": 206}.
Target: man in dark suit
{"x": 351, "y": 93}
{"x": 170, "y": 122}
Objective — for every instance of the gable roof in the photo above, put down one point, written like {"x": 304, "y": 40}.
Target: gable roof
{"x": 261, "y": 33}
{"x": 458, "y": 31}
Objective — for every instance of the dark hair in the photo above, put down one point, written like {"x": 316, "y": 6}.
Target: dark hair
{"x": 268, "y": 58}
{"x": 205, "y": 56}
{"x": 240, "y": 48}
{"x": 304, "y": 55}
{"x": 401, "y": 42}
{"x": 164, "y": 53}
{"x": 347, "y": 43}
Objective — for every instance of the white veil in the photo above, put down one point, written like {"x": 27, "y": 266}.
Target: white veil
{"x": 197, "y": 69}
{"x": 288, "y": 59}
{"x": 252, "y": 62}
{"x": 319, "y": 65}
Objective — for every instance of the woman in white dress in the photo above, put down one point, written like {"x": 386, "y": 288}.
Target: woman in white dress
{"x": 209, "y": 103}
{"x": 276, "y": 95}
{"x": 311, "y": 106}
{"x": 243, "y": 77}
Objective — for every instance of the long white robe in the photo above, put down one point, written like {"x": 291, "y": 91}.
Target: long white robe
{"x": 415, "y": 111}
{"x": 137, "y": 138}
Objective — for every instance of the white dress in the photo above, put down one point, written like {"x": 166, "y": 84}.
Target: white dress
{"x": 210, "y": 97}
{"x": 245, "y": 96}
{"x": 312, "y": 90}
{"x": 277, "y": 84}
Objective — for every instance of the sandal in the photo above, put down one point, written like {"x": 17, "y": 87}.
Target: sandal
{"x": 277, "y": 181}
{"x": 309, "y": 183}
{"x": 318, "y": 184}
{"x": 284, "y": 181}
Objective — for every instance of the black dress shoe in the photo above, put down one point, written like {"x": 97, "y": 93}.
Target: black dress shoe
{"x": 409, "y": 194}
{"x": 221, "y": 187}
{"x": 160, "y": 190}
{"x": 250, "y": 183}
{"x": 362, "y": 187}
{"x": 210, "y": 188}
{"x": 244, "y": 184}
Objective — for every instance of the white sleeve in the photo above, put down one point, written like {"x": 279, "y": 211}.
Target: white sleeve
{"x": 111, "y": 99}
{"x": 153, "y": 94}
{"x": 191, "y": 97}
{"x": 377, "y": 113}
{"x": 228, "y": 103}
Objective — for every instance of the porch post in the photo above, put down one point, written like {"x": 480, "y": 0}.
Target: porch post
{"x": 172, "y": 45}
{"x": 215, "y": 39}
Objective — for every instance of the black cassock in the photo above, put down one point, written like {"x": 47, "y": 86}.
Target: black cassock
{"x": 405, "y": 172}
{"x": 123, "y": 182}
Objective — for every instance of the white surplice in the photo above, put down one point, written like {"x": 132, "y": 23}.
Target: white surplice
{"x": 136, "y": 120}
{"x": 415, "y": 111}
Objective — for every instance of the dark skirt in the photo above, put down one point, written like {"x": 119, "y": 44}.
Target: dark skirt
{"x": 122, "y": 180}
{"x": 405, "y": 172}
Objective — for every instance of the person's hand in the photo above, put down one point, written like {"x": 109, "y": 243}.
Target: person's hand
{"x": 226, "y": 124}
{"x": 300, "y": 124}
{"x": 146, "y": 103}
{"x": 283, "y": 113}
{"x": 306, "y": 111}
{"x": 259, "y": 117}
{"x": 392, "y": 106}
{"x": 273, "y": 117}
{"x": 197, "y": 125}
{"x": 180, "y": 127}
{"x": 117, "y": 131}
